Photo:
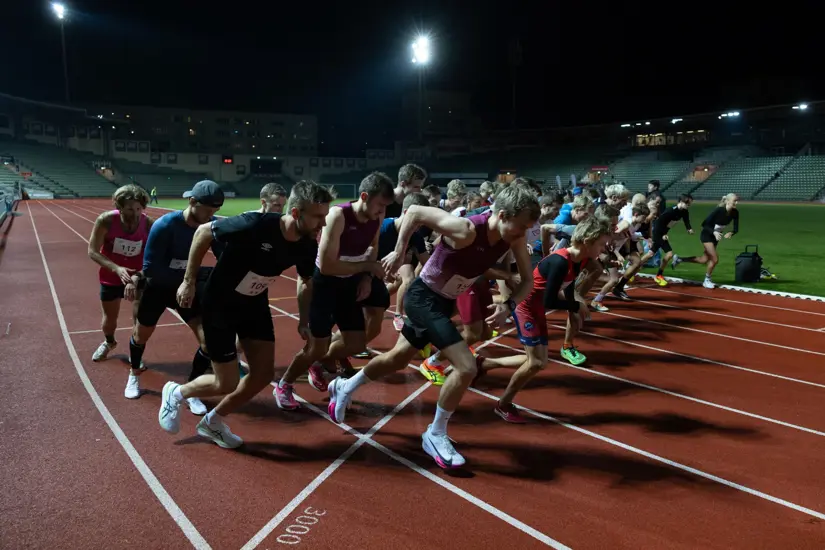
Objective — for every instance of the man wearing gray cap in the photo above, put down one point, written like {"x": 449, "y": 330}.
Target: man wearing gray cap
{"x": 164, "y": 265}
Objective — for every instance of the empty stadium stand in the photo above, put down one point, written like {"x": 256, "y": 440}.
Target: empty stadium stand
{"x": 744, "y": 176}
{"x": 637, "y": 170}
{"x": 170, "y": 182}
{"x": 801, "y": 180}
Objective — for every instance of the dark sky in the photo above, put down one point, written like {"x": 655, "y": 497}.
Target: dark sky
{"x": 351, "y": 65}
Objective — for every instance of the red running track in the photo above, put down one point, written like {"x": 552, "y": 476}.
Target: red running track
{"x": 697, "y": 424}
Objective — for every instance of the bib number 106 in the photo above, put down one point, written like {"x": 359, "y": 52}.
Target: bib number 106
{"x": 301, "y": 526}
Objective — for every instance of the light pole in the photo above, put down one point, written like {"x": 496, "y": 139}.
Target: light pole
{"x": 421, "y": 57}
{"x": 60, "y": 12}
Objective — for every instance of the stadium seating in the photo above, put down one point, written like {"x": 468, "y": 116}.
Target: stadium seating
{"x": 743, "y": 176}
{"x": 637, "y": 170}
{"x": 801, "y": 180}
{"x": 65, "y": 172}
{"x": 170, "y": 182}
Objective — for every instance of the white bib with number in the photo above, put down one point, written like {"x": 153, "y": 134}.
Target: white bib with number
{"x": 127, "y": 248}
{"x": 253, "y": 284}
{"x": 456, "y": 286}
{"x": 178, "y": 264}
{"x": 362, "y": 258}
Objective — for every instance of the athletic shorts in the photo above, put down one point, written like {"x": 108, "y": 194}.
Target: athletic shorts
{"x": 334, "y": 302}
{"x": 473, "y": 304}
{"x": 531, "y": 323}
{"x": 660, "y": 243}
{"x": 248, "y": 319}
{"x": 109, "y": 293}
{"x": 707, "y": 236}
{"x": 428, "y": 318}
{"x": 156, "y": 298}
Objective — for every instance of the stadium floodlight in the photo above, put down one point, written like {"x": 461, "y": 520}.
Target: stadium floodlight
{"x": 626, "y": 125}
{"x": 675, "y": 120}
{"x": 647, "y": 123}
{"x": 421, "y": 50}
{"x": 801, "y": 106}
{"x": 59, "y": 9}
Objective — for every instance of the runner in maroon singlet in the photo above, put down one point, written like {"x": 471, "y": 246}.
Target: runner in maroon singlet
{"x": 347, "y": 286}
{"x": 468, "y": 247}
{"x": 553, "y": 288}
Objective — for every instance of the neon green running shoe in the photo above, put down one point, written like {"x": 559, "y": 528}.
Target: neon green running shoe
{"x": 573, "y": 356}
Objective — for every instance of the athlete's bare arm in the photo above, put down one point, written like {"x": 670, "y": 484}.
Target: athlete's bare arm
{"x": 330, "y": 263}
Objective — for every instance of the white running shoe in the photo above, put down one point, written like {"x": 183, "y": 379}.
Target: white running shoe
{"x": 338, "y": 400}
{"x": 441, "y": 449}
{"x": 708, "y": 283}
{"x": 168, "y": 415}
{"x": 132, "y": 387}
{"x": 102, "y": 351}
{"x": 219, "y": 433}
{"x": 196, "y": 406}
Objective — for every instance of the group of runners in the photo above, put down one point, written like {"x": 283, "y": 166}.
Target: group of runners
{"x": 506, "y": 254}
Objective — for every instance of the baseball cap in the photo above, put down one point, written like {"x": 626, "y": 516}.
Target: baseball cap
{"x": 206, "y": 192}
{"x": 576, "y": 191}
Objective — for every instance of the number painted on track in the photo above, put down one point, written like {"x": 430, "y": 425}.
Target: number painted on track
{"x": 311, "y": 516}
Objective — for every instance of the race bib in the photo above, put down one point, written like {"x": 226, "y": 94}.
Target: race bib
{"x": 362, "y": 258}
{"x": 178, "y": 264}
{"x": 718, "y": 227}
{"x": 127, "y": 248}
{"x": 253, "y": 284}
{"x": 456, "y": 286}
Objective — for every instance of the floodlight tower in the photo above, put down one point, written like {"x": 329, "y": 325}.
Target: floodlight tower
{"x": 421, "y": 58}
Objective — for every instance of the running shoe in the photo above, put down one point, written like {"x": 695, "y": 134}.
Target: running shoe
{"x": 363, "y": 355}
{"x": 573, "y": 356}
{"x": 398, "y": 323}
{"x": 132, "y": 390}
{"x": 345, "y": 369}
{"x": 510, "y": 414}
{"x": 196, "y": 406}
{"x": 102, "y": 351}
{"x": 219, "y": 433}
{"x": 284, "y": 398}
{"x": 426, "y": 352}
{"x": 621, "y": 295}
{"x": 660, "y": 280}
{"x": 433, "y": 372}
{"x": 243, "y": 368}
{"x": 339, "y": 401}
{"x": 597, "y": 306}
{"x": 708, "y": 283}
{"x": 441, "y": 449}
{"x": 168, "y": 416}
{"x": 316, "y": 377}
{"x": 676, "y": 261}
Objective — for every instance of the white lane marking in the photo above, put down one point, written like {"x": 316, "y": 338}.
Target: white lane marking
{"x": 75, "y": 213}
{"x": 154, "y": 484}
{"x": 273, "y": 524}
{"x": 61, "y": 221}
{"x": 668, "y": 462}
{"x": 695, "y": 358}
{"x": 122, "y": 328}
{"x": 675, "y": 394}
{"x": 736, "y": 301}
{"x": 728, "y": 336}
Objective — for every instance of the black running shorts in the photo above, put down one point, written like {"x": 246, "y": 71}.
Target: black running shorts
{"x": 660, "y": 243}
{"x": 248, "y": 319}
{"x": 109, "y": 293}
{"x": 428, "y": 318}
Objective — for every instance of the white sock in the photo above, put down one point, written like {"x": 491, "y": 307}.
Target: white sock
{"x": 707, "y": 277}
{"x": 599, "y": 297}
{"x": 213, "y": 418}
{"x": 177, "y": 395}
{"x": 355, "y": 382}
{"x": 439, "y": 426}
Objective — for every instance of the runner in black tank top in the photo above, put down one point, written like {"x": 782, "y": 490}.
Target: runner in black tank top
{"x": 347, "y": 275}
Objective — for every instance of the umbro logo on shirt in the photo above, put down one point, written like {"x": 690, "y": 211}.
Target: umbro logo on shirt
{"x": 266, "y": 247}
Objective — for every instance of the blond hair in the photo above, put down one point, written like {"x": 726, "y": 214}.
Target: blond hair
{"x": 606, "y": 213}
{"x": 582, "y": 202}
{"x": 130, "y": 192}
{"x": 617, "y": 190}
{"x": 726, "y": 198}
{"x": 639, "y": 198}
{"x": 456, "y": 189}
{"x": 516, "y": 199}
{"x": 589, "y": 231}
{"x": 487, "y": 189}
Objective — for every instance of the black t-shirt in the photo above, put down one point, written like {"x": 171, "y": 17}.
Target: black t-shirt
{"x": 256, "y": 252}
{"x": 720, "y": 217}
{"x": 555, "y": 269}
{"x": 393, "y": 210}
{"x": 669, "y": 218}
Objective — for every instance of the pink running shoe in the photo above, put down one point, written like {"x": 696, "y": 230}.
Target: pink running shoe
{"x": 284, "y": 398}
{"x": 316, "y": 377}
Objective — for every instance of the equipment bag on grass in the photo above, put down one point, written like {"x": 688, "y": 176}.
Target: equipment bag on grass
{"x": 749, "y": 265}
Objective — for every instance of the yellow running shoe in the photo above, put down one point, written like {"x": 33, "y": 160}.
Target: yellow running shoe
{"x": 433, "y": 373}
{"x": 660, "y": 280}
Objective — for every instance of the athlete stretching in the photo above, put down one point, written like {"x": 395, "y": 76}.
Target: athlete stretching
{"x": 553, "y": 288}
{"x": 258, "y": 248}
{"x": 468, "y": 247}
{"x": 711, "y": 234}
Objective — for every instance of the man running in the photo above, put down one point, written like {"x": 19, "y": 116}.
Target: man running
{"x": 468, "y": 247}
{"x": 258, "y": 248}
{"x": 411, "y": 178}
{"x": 554, "y": 280}
{"x": 117, "y": 244}
{"x": 348, "y": 279}
{"x": 164, "y": 266}
{"x": 273, "y": 197}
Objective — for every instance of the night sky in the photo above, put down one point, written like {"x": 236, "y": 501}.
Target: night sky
{"x": 350, "y": 66}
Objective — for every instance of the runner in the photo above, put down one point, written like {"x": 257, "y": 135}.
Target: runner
{"x": 469, "y": 246}
{"x": 117, "y": 244}
{"x": 661, "y": 226}
{"x": 554, "y": 279}
{"x": 348, "y": 278}
{"x": 711, "y": 234}
{"x": 258, "y": 248}
{"x": 411, "y": 178}
{"x": 654, "y": 201}
{"x": 164, "y": 266}
{"x": 273, "y": 197}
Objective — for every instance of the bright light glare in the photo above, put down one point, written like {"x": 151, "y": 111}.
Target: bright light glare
{"x": 59, "y": 10}
{"x": 675, "y": 120}
{"x": 626, "y": 125}
{"x": 421, "y": 50}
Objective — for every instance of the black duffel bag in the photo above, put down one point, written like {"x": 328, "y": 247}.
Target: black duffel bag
{"x": 749, "y": 265}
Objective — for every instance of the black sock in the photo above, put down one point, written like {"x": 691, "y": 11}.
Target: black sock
{"x": 620, "y": 285}
{"x": 691, "y": 259}
{"x": 660, "y": 272}
{"x": 135, "y": 353}
{"x": 200, "y": 363}
{"x": 110, "y": 338}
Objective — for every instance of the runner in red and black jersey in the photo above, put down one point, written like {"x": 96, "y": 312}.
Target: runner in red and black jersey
{"x": 553, "y": 288}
